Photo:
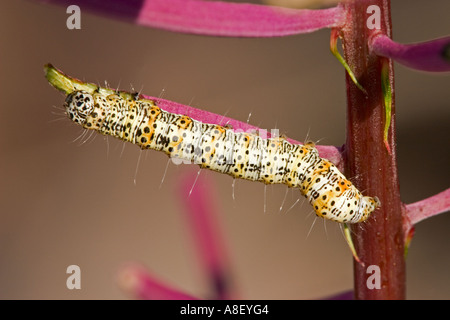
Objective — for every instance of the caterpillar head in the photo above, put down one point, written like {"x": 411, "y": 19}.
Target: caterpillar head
{"x": 366, "y": 206}
{"x": 79, "y": 104}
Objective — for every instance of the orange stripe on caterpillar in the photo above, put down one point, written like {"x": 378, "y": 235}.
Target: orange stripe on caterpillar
{"x": 239, "y": 154}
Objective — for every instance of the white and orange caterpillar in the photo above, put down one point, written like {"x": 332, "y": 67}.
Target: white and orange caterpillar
{"x": 239, "y": 154}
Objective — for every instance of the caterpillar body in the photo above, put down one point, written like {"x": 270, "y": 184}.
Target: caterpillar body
{"x": 239, "y": 154}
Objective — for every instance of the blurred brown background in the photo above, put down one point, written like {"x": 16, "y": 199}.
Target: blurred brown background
{"x": 63, "y": 203}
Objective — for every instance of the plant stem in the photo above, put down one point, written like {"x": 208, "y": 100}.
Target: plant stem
{"x": 379, "y": 241}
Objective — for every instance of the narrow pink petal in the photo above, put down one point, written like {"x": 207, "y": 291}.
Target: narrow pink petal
{"x": 198, "y": 202}
{"x": 429, "y": 207}
{"x": 214, "y": 18}
{"x": 433, "y": 56}
{"x": 331, "y": 153}
{"x": 136, "y": 280}
{"x": 234, "y": 19}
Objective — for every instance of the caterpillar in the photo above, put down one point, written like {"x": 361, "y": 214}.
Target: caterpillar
{"x": 219, "y": 148}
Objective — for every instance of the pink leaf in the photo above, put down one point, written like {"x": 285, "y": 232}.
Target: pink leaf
{"x": 429, "y": 207}
{"x": 236, "y": 20}
{"x": 215, "y": 18}
{"x": 431, "y": 56}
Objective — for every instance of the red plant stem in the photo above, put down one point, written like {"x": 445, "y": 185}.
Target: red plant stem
{"x": 379, "y": 241}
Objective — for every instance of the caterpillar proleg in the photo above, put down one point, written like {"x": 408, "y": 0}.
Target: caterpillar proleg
{"x": 245, "y": 155}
